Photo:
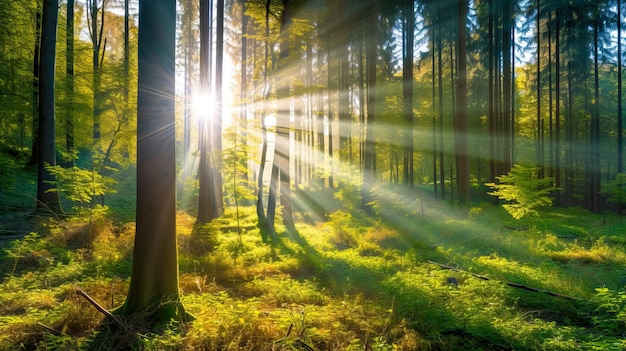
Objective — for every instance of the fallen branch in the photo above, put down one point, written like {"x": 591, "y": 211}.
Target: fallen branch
{"x": 51, "y": 330}
{"x": 511, "y": 284}
{"x": 108, "y": 314}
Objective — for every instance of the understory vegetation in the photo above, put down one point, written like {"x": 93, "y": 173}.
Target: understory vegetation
{"x": 438, "y": 279}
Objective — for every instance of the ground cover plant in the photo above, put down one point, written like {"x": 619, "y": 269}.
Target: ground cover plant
{"x": 349, "y": 282}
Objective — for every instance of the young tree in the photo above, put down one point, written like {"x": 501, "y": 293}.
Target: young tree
{"x": 153, "y": 296}
{"x": 46, "y": 197}
{"x": 523, "y": 191}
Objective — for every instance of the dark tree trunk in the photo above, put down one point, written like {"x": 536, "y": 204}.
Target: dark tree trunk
{"x": 35, "y": 100}
{"x": 206, "y": 205}
{"x": 462, "y": 152}
{"x": 153, "y": 295}
{"x": 620, "y": 125}
{"x": 69, "y": 79}
{"x": 46, "y": 198}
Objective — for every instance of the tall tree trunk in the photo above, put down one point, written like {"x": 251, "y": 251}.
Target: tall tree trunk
{"x": 206, "y": 205}
{"x": 557, "y": 109}
{"x": 491, "y": 111}
{"x": 462, "y": 152}
{"x": 539, "y": 145}
{"x": 407, "y": 91}
{"x": 69, "y": 84}
{"x": 216, "y": 165}
{"x": 369, "y": 171}
{"x": 341, "y": 49}
{"x": 620, "y": 121}
{"x": 35, "y": 98}
{"x": 153, "y": 296}
{"x": 283, "y": 121}
{"x": 434, "y": 106}
{"x": 594, "y": 157}
{"x": 46, "y": 198}
{"x": 442, "y": 169}
{"x": 96, "y": 32}
{"x": 266, "y": 223}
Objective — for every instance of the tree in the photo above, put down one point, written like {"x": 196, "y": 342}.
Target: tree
{"x": 461, "y": 140}
{"x": 69, "y": 72}
{"x": 369, "y": 170}
{"x": 47, "y": 198}
{"x": 153, "y": 296}
{"x": 206, "y": 174}
{"x": 523, "y": 190}
{"x": 408, "y": 25}
{"x": 96, "y": 31}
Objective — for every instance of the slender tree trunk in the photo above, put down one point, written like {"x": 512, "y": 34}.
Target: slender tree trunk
{"x": 69, "y": 81}
{"x": 594, "y": 157}
{"x": 434, "y": 108}
{"x": 442, "y": 170}
{"x": 216, "y": 165}
{"x": 282, "y": 157}
{"x": 620, "y": 121}
{"x": 557, "y": 109}
{"x": 461, "y": 139}
{"x": 206, "y": 205}
{"x": 47, "y": 199}
{"x": 35, "y": 99}
{"x": 491, "y": 113}
{"x": 96, "y": 31}
{"x": 266, "y": 223}
{"x": 407, "y": 92}
{"x": 540, "y": 153}
{"x": 369, "y": 171}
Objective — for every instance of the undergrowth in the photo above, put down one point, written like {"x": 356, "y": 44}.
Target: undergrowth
{"x": 350, "y": 284}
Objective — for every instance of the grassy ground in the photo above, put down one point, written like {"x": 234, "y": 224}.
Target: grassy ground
{"x": 350, "y": 283}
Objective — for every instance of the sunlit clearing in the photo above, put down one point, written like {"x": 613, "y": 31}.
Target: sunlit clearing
{"x": 204, "y": 106}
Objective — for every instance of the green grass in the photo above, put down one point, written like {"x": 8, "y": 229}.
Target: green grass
{"x": 353, "y": 282}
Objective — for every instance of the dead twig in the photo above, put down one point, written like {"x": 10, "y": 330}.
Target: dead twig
{"x": 108, "y": 314}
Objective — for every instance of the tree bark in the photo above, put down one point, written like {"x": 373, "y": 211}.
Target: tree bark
{"x": 461, "y": 135}
{"x": 47, "y": 197}
{"x": 153, "y": 296}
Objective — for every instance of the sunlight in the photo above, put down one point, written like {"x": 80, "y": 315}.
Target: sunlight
{"x": 204, "y": 106}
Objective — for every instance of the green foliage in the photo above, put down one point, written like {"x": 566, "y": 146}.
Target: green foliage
{"x": 616, "y": 190}
{"x": 610, "y": 310}
{"x": 81, "y": 186}
{"x": 523, "y": 191}
{"x": 343, "y": 233}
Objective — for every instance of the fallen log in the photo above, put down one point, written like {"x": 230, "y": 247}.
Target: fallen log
{"x": 511, "y": 284}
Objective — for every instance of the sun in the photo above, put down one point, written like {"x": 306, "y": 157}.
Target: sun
{"x": 204, "y": 106}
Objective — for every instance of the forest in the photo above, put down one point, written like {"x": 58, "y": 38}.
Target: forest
{"x": 312, "y": 175}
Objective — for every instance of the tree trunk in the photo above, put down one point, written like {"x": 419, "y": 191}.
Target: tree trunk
{"x": 46, "y": 198}
{"x": 96, "y": 31}
{"x": 216, "y": 165}
{"x": 153, "y": 296}
{"x": 369, "y": 171}
{"x": 620, "y": 125}
{"x": 461, "y": 135}
{"x": 594, "y": 157}
{"x": 206, "y": 205}
{"x": 69, "y": 79}
{"x": 35, "y": 99}
{"x": 407, "y": 91}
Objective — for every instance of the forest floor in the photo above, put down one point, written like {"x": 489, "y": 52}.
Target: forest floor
{"x": 350, "y": 282}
